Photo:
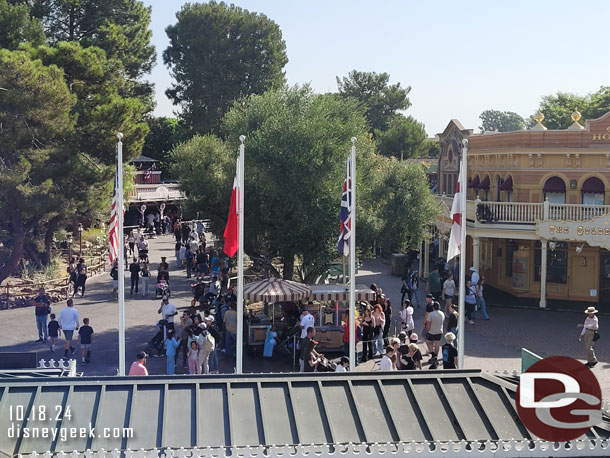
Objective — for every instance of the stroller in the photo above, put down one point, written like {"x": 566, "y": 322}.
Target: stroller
{"x": 162, "y": 289}
{"x": 155, "y": 345}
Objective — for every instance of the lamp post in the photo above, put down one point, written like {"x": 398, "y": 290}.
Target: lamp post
{"x": 142, "y": 210}
{"x": 80, "y": 239}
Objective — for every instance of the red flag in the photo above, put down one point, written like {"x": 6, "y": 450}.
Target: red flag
{"x": 231, "y": 234}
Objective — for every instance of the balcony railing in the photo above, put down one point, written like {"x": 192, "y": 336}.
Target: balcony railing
{"x": 527, "y": 213}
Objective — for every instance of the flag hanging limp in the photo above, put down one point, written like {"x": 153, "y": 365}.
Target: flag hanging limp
{"x": 455, "y": 247}
{"x": 231, "y": 233}
{"x": 345, "y": 214}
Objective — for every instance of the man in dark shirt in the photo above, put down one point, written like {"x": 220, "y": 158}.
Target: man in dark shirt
{"x": 85, "y": 339}
{"x": 134, "y": 268}
{"x": 452, "y": 321}
{"x": 42, "y": 310}
{"x": 450, "y": 353}
{"x": 308, "y": 354}
{"x": 53, "y": 331}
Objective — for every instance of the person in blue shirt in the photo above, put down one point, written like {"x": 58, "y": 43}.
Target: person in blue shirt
{"x": 171, "y": 345}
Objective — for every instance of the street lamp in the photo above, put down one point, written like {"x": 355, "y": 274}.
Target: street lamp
{"x": 142, "y": 210}
{"x": 80, "y": 239}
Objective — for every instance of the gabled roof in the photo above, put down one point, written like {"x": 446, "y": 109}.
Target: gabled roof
{"x": 259, "y": 410}
{"x": 143, "y": 158}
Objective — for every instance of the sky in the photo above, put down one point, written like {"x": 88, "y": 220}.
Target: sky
{"x": 459, "y": 57}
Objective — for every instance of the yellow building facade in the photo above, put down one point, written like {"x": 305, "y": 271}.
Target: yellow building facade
{"x": 538, "y": 208}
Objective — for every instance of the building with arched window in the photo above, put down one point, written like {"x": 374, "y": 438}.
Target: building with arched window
{"x": 538, "y": 209}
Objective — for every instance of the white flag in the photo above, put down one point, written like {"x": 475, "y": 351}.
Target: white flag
{"x": 455, "y": 238}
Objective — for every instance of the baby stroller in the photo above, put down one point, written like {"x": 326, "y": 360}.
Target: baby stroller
{"x": 155, "y": 345}
{"x": 162, "y": 289}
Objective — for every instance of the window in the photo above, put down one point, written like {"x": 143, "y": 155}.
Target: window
{"x": 555, "y": 190}
{"x": 593, "y": 191}
{"x": 511, "y": 247}
{"x": 556, "y": 263}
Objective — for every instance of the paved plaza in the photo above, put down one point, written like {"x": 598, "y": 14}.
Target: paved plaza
{"x": 493, "y": 345}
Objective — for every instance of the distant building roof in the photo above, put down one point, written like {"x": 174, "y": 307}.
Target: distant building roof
{"x": 326, "y": 411}
{"x": 143, "y": 158}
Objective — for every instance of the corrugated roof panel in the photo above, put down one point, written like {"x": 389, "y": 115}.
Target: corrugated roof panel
{"x": 212, "y": 415}
{"x": 147, "y": 433}
{"x": 16, "y": 403}
{"x": 439, "y": 420}
{"x": 408, "y": 420}
{"x": 42, "y": 416}
{"x": 278, "y": 417}
{"x": 498, "y": 409}
{"x": 343, "y": 416}
{"x": 373, "y": 412}
{"x": 471, "y": 416}
{"x": 114, "y": 410}
{"x": 244, "y": 415}
{"x": 312, "y": 423}
{"x": 179, "y": 420}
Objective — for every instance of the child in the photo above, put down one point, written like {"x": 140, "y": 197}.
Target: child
{"x": 193, "y": 357}
{"x": 53, "y": 331}
{"x": 171, "y": 344}
{"x": 406, "y": 317}
{"x": 85, "y": 339}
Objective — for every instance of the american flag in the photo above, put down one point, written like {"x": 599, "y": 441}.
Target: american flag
{"x": 114, "y": 223}
{"x": 345, "y": 214}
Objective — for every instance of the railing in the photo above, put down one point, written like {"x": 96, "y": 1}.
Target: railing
{"x": 526, "y": 212}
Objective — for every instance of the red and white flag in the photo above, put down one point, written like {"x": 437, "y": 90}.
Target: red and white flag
{"x": 114, "y": 224}
{"x": 455, "y": 238}
{"x": 231, "y": 233}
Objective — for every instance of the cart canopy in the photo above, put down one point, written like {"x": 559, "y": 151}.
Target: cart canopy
{"x": 341, "y": 293}
{"x": 276, "y": 290}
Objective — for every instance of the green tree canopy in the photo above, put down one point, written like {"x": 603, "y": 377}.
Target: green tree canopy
{"x": 16, "y": 26}
{"x": 403, "y": 137}
{"x": 374, "y": 93}
{"x": 35, "y": 118}
{"x": 217, "y": 54}
{"x": 558, "y": 108}
{"x": 500, "y": 121}
{"x": 119, "y": 27}
{"x": 163, "y": 135}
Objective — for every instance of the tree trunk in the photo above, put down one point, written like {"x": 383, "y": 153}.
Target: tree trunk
{"x": 18, "y": 233}
{"x": 288, "y": 266}
{"x": 48, "y": 240}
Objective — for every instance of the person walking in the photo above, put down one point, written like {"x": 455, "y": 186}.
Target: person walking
{"x": 435, "y": 330}
{"x": 386, "y": 307}
{"x": 72, "y": 273}
{"x": 405, "y": 286}
{"x": 134, "y": 269}
{"x": 230, "y": 326}
{"x": 131, "y": 242}
{"x": 171, "y": 344}
{"x": 42, "y": 302}
{"x": 68, "y": 323}
{"x": 450, "y": 353}
{"x": 470, "y": 300}
{"x": 145, "y": 278}
{"x": 481, "y": 299}
{"x": 81, "y": 270}
{"x": 448, "y": 292}
{"x": 368, "y": 332}
{"x": 434, "y": 283}
{"x": 138, "y": 367}
{"x": 188, "y": 261}
{"x": 85, "y": 339}
{"x": 53, "y": 332}
{"x": 590, "y": 330}
{"x": 406, "y": 318}
{"x": 380, "y": 320}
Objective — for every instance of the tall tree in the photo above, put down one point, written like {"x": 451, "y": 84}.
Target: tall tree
{"x": 119, "y": 27}
{"x": 379, "y": 99}
{"x": 558, "y": 108}
{"x": 217, "y": 54}
{"x": 403, "y": 137}
{"x": 500, "y": 121}
{"x": 35, "y": 119}
{"x": 163, "y": 135}
{"x": 16, "y": 26}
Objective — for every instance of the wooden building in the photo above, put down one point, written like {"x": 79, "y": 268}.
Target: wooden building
{"x": 538, "y": 208}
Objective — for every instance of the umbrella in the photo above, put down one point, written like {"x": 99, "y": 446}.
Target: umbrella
{"x": 276, "y": 290}
{"x": 341, "y": 293}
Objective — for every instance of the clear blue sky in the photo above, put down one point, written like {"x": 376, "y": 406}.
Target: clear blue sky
{"x": 460, "y": 58}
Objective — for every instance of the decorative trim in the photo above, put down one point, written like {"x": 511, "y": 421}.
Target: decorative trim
{"x": 65, "y": 364}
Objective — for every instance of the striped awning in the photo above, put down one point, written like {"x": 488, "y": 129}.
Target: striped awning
{"x": 276, "y": 290}
{"x": 340, "y": 293}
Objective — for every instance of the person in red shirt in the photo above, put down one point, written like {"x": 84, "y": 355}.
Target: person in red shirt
{"x": 138, "y": 367}
{"x": 346, "y": 335}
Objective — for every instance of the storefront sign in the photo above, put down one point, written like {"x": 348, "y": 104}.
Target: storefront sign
{"x": 162, "y": 192}
{"x": 600, "y": 137}
{"x": 595, "y": 232}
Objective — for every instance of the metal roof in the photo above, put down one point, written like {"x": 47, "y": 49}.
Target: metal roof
{"x": 266, "y": 409}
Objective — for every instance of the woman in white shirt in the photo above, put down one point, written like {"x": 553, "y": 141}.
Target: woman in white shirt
{"x": 448, "y": 293}
{"x": 589, "y": 329}
{"x": 406, "y": 317}
{"x": 386, "y": 360}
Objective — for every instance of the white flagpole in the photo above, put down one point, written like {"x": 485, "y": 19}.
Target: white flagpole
{"x": 121, "y": 292}
{"x": 461, "y": 302}
{"x": 352, "y": 262}
{"x": 240, "y": 262}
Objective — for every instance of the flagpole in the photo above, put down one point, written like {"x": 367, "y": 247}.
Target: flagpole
{"x": 121, "y": 290}
{"x": 461, "y": 302}
{"x": 352, "y": 261}
{"x": 240, "y": 262}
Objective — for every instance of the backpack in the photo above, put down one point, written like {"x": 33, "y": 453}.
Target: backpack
{"x": 206, "y": 342}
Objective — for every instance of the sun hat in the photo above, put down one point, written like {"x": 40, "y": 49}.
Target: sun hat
{"x": 591, "y": 310}
{"x": 414, "y": 337}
